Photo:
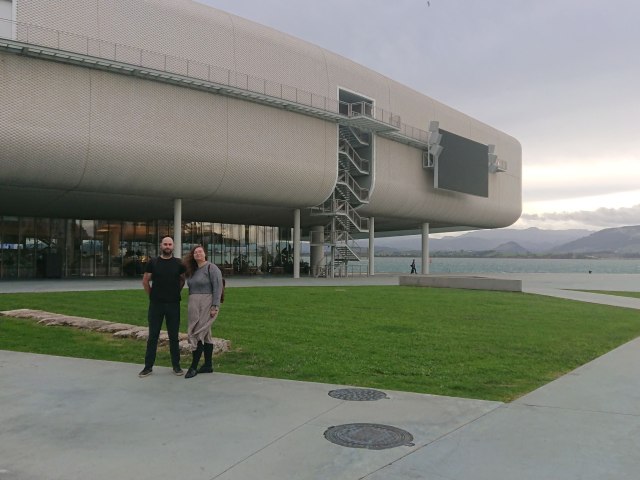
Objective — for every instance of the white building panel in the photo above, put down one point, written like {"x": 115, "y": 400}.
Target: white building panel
{"x": 78, "y": 131}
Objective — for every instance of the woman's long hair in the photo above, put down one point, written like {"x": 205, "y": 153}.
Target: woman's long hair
{"x": 190, "y": 262}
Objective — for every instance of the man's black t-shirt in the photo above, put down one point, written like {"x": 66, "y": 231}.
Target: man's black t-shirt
{"x": 165, "y": 279}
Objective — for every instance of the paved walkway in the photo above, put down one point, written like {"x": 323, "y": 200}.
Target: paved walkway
{"x": 64, "y": 418}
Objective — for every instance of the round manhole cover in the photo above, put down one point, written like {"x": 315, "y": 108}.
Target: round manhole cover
{"x": 368, "y": 435}
{"x": 357, "y": 394}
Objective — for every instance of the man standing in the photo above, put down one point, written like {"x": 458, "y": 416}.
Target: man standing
{"x": 163, "y": 280}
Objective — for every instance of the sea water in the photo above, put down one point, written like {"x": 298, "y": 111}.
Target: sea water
{"x": 501, "y": 265}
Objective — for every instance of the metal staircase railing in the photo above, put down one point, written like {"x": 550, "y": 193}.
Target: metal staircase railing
{"x": 355, "y": 136}
{"x": 347, "y": 252}
{"x": 348, "y": 194}
{"x": 361, "y": 194}
{"x": 341, "y": 208}
{"x": 344, "y": 250}
{"x": 360, "y": 165}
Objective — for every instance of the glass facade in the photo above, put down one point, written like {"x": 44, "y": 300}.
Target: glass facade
{"x": 55, "y": 248}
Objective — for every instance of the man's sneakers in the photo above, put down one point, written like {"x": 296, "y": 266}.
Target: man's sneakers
{"x": 192, "y": 372}
{"x": 148, "y": 371}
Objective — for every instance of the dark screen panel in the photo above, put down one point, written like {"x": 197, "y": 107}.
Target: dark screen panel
{"x": 463, "y": 165}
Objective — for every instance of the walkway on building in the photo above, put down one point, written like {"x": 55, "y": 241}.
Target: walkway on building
{"x": 65, "y": 418}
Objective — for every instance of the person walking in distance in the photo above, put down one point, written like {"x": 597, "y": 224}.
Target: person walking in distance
{"x": 413, "y": 266}
{"x": 205, "y": 291}
{"x": 163, "y": 280}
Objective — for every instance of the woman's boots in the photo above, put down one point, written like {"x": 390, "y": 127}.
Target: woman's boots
{"x": 207, "y": 348}
{"x": 208, "y": 359}
{"x": 195, "y": 355}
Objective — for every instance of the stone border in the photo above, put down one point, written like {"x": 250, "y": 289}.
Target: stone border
{"x": 464, "y": 282}
{"x": 118, "y": 330}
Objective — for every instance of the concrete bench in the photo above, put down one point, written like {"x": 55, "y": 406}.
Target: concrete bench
{"x": 461, "y": 281}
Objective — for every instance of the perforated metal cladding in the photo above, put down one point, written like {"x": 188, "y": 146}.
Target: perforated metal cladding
{"x": 399, "y": 181}
{"x": 109, "y": 133}
{"x": 77, "y": 204}
{"x": 405, "y": 190}
{"x": 346, "y": 74}
{"x": 76, "y": 16}
{"x": 29, "y": 201}
{"x": 69, "y": 127}
{"x": 179, "y": 28}
{"x": 188, "y": 30}
{"x": 44, "y": 123}
{"x": 278, "y": 156}
{"x": 158, "y": 138}
{"x": 118, "y": 134}
{"x": 268, "y": 54}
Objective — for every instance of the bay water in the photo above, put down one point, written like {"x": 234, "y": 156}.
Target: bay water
{"x": 502, "y": 265}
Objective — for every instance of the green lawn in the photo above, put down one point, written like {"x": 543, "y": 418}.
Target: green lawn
{"x": 467, "y": 343}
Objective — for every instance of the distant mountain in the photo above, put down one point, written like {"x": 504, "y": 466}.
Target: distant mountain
{"x": 511, "y": 248}
{"x": 618, "y": 241}
{"x": 534, "y": 240}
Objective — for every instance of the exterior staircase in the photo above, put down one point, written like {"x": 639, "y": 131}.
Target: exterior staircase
{"x": 350, "y": 193}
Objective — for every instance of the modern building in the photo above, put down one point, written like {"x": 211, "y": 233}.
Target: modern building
{"x": 125, "y": 120}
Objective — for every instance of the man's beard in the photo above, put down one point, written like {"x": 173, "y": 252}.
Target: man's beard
{"x": 167, "y": 252}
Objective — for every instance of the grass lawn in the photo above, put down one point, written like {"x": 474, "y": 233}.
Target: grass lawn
{"x": 466, "y": 343}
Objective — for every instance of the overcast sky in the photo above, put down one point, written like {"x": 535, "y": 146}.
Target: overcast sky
{"x": 561, "y": 76}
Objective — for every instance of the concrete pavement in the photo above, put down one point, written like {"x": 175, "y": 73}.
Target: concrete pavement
{"x": 64, "y": 418}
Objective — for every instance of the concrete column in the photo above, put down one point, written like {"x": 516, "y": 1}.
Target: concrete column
{"x": 296, "y": 243}
{"x": 316, "y": 249}
{"x": 333, "y": 261}
{"x": 177, "y": 227}
{"x": 425, "y": 248}
{"x": 372, "y": 266}
{"x": 69, "y": 252}
{"x": 115, "y": 234}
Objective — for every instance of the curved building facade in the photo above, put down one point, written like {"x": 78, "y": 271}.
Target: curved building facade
{"x": 170, "y": 110}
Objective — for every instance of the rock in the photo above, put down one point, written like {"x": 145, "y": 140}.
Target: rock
{"x": 118, "y": 330}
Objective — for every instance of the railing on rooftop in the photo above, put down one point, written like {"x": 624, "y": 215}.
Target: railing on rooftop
{"x": 130, "y": 60}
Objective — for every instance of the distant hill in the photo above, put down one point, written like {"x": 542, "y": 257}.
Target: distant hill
{"x": 534, "y": 240}
{"x": 511, "y": 248}
{"x": 618, "y": 241}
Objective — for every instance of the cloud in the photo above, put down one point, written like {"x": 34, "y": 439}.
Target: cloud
{"x": 573, "y": 177}
{"x": 600, "y": 218}
{"x": 559, "y": 76}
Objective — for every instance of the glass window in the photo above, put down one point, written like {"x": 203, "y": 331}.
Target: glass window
{"x": 89, "y": 249}
{"x": 27, "y": 248}
{"x": 9, "y": 244}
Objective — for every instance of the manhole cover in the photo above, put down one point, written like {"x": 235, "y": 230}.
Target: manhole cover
{"x": 357, "y": 394}
{"x": 368, "y": 435}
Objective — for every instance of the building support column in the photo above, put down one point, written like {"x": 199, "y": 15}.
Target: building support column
{"x": 69, "y": 252}
{"x": 316, "y": 249}
{"x": 296, "y": 243}
{"x": 177, "y": 227}
{"x": 332, "y": 267}
{"x": 425, "y": 248}
{"x": 372, "y": 266}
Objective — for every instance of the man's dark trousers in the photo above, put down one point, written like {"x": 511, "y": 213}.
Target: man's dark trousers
{"x": 157, "y": 312}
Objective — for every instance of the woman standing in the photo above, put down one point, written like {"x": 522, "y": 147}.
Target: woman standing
{"x": 205, "y": 288}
